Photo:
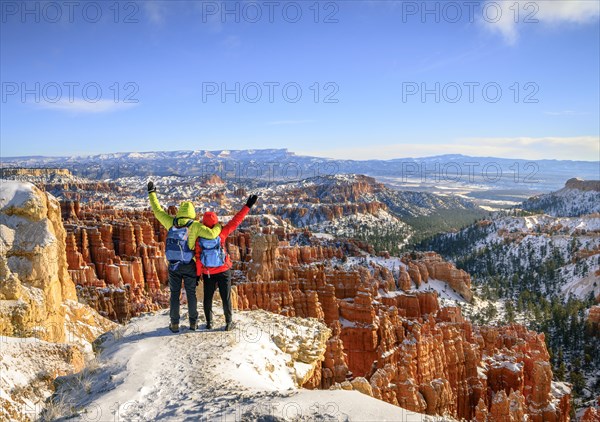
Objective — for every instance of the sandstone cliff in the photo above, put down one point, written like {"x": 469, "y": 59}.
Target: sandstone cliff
{"x": 410, "y": 352}
{"x": 38, "y": 300}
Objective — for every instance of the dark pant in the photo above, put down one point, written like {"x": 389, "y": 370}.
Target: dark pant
{"x": 223, "y": 280}
{"x": 187, "y": 273}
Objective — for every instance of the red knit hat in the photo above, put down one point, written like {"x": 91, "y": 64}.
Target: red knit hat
{"x": 209, "y": 219}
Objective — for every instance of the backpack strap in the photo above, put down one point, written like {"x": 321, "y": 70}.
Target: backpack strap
{"x": 197, "y": 251}
{"x": 189, "y": 223}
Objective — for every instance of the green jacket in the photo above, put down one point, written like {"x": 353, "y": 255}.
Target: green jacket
{"x": 186, "y": 213}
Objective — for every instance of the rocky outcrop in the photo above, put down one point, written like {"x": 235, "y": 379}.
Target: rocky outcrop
{"x": 33, "y": 266}
{"x": 306, "y": 341}
{"x": 583, "y": 185}
{"x": 591, "y": 414}
{"x": 431, "y": 265}
{"x": 9, "y": 172}
{"x": 38, "y": 302}
{"x": 411, "y": 352}
{"x": 29, "y": 367}
{"x": 335, "y": 366}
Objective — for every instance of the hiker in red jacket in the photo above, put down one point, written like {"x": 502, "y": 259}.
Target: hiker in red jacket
{"x": 213, "y": 263}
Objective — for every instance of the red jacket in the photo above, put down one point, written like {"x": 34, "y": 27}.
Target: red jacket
{"x": 225, "y": 231}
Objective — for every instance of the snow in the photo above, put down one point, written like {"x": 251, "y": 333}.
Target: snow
{"x": 481, "y": 373}
{"x": 566, "y": 202}
{"x": 27, "y": 366}
{"x": 446, "y": 295}
{"x": 341, "y": 405}
{"x": 149, "y": 373}
{"x": 445, "y": 292}
{"x": 346, "y": 323}
{"x": 488, "y": 208}
{"x": 356, "y": 224}
{"x": 511, "y": 366}
{"x": 14, "y": 371}
{"x": 528, "y": 242}
{"x": 14, "y": 193}
{"x": 392, "y": 263}
{"x": 258, "y": 346}
{"x": 325, "y": 236}
{"x": 560, "y": 389}
{"x": 582, "y": 285}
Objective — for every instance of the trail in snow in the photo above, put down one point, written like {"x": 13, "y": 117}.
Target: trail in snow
{"x": 147, "y": 373}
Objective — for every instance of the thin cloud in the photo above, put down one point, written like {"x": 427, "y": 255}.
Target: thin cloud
{"x": 82, "y": 106}
{"x": 507, "y": 17}
{"x": 582, "y": 148}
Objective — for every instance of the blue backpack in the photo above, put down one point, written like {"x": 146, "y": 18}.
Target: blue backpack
{"x": 213, "y": 254}
{"x": 177, "y": 249}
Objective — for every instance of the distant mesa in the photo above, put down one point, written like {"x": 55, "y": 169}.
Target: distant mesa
{"x": 578, "y": 197}
{"x": 583, "y": 185}
{"x": 37, "y": 172}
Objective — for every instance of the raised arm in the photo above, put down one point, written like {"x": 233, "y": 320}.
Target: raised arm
{"x": 200, "y": 230}
{"x": 237, "y": 219}
{"x": 160, "y": 214}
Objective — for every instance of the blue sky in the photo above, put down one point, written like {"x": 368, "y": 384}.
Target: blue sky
{"x": 361, "y": 69}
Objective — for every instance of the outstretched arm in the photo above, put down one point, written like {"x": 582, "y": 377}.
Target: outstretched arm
{"x": 160, "y": 214}
{"x": 200, "y": 230}
{"x": 237, "y": 219}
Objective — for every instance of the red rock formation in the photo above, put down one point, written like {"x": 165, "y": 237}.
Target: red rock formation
{"x": 264, "y": 255}
{"x": 118, "y": 248}
{"x": 404, "y": 282}
{"x": 411, "y": 352}
{"x": 335, "y": 366}
{"x": 457, "y": 279}
{"x": 413, "y": 305}
{"x": 591, "y": 414}
{"x": 415, "y": 273}
{"x": 481, "y": 412}
{"x": 274, "y": 296}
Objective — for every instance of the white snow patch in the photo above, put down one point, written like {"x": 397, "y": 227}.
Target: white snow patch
{"x": 152, "y": 374}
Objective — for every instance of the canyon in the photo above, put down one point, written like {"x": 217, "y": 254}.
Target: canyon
{"x": 392, "y": 333}
{"x": 390, "y": 338}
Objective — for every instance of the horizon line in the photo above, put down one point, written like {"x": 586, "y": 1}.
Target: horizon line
{"x": 90, "y": 155}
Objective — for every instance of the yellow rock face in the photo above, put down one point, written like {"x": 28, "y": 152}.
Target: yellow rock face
{"x": 34, "y": 281}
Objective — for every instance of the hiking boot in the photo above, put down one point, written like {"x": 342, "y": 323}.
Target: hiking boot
{"x": 193, "y": 326}
{"x": 209, "y": 325}
{"x": 174, "y": 327}
{"x": 228, "y": 326}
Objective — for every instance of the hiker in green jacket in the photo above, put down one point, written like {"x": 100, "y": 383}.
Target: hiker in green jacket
{"x": 181, "y": 240}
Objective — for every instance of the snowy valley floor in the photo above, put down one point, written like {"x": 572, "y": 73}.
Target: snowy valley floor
{"x": 145, "y": 372}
